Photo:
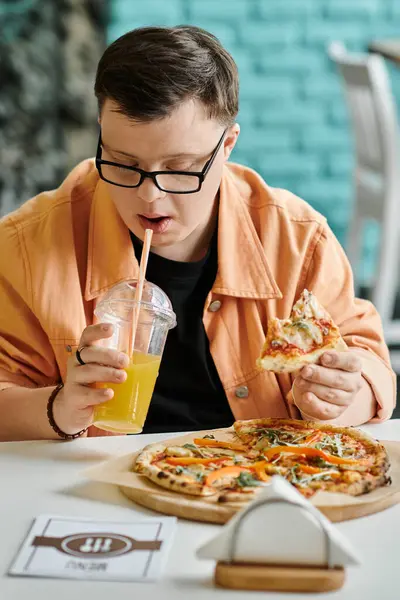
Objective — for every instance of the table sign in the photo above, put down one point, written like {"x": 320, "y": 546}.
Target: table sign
{"x": 75, "y": 548}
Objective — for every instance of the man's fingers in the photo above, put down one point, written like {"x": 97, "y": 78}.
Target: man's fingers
{"x": 89, "y": 374}
{"x": 347, "y": 361}
{"x": 322, "y": 392}
{"x": 90, "y": 396}
{"x": 94, "y": 333}
{"x": 317, "y": 409}
{"x": 333, "y": 378}
{"x": 104, "y": 356}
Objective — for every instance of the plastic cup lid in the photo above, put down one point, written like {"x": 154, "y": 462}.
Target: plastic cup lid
{"x": 153, "y": 299}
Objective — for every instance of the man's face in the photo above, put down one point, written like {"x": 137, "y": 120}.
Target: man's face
{"x": 183, "y": 141}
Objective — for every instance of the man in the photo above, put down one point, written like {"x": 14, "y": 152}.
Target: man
{"x": 229, "y": 251}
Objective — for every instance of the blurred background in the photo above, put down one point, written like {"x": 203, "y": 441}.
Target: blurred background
{"x": 296, "y": 129}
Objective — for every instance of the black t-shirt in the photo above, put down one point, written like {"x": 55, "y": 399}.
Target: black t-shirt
{"x": 188, "y": 394}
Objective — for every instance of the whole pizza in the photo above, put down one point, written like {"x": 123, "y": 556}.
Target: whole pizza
{"x": 311, "y": 456}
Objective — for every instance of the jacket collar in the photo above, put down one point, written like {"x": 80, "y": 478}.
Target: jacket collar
{"x": 243, "y": 269}
{"x": 111, "y": 258}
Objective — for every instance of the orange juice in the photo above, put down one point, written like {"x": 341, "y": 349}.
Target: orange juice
{"x": 126, "y": 412}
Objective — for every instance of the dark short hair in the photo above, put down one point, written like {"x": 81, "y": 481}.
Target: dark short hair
{"x": 151, "y": 70}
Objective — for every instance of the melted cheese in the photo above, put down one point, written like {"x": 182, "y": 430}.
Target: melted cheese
{"x": 302, "y": 334}
{"x": 178, "y": 451}
{"x": 308, "y": 307}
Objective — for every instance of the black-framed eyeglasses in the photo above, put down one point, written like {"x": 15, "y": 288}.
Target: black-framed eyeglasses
{"x": 173, "y": 182}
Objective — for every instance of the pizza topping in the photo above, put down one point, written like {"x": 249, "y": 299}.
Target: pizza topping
{"x": 192, "y": 460}
{"x": 191, "y": 447}
{"x": 228, "y": 476}
{"x": 179, "y": 450}
{"x": 273, "y": 469}
{"x": 196, "y": 475}
{"x": 205, "y": 451}
{"x": 276, "y": 459}
{"x": 308, "y": 307}
{"x": 310, "y": 469}
{"x": 246, "y": 479}
{"x": 320, "y": 462}
{"x": 304, "y": 481}
{"x": 332, "y": 444}
{"x": 301, "y": 334}
{"x": 307, "y": 451}
{"x": 259, "y": 468}
{"x": 208, "y": 452}
{"x": 277, "y": 437}
{"x": 218, "y": 444}
{"x": 341, "y": 445}
{"x": 221, "y": 475}
{"x": 238, "y": 460}
{"x": 311, "y": 439}
{"x": 243, "y": 477}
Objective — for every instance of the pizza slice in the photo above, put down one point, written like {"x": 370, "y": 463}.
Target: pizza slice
{"x": 292, "y": 343}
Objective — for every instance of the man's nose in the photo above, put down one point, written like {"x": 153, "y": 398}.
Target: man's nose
{"x": 148, "y": 191}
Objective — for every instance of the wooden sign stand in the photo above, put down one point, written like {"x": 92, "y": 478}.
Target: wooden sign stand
{"x": 278, "y": 578}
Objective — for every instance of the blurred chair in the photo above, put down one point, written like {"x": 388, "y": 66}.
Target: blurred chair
{"x": 376, "y": 177}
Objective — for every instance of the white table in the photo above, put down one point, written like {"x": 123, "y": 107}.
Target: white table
{"x": 46, "y": 477}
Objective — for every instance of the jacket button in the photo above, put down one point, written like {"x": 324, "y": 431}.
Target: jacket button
{"x": 215, "y": 306}
{"x": 242, "y": 391}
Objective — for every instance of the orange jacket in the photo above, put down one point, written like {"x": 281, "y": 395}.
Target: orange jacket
{"x": 62, "y": 250}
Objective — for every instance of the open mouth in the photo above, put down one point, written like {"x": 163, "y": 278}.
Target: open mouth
{"x": 157, "y": 223}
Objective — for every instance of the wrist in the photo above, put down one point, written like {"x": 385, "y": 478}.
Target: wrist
{"x": 56, "y": 415}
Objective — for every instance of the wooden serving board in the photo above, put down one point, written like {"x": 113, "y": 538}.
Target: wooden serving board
{"x": 337, "y": 507}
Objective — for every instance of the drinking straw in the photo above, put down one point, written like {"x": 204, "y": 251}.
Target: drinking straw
{"x": 139, "y": 287}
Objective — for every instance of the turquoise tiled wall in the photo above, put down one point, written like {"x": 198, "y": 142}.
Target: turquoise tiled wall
{"x": 295, "y": 130}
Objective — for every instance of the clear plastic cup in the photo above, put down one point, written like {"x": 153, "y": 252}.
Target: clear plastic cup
{"x": 126, "y": 412}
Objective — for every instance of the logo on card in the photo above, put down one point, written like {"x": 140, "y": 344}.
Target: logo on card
{"x": 95, "y": 545}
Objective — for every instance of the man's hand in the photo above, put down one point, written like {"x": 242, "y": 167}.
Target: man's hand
{"x": 74, "y": 405}
{"x": 323, "y": 392}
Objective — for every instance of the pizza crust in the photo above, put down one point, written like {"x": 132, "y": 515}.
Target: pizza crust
{"x": 281, "y": 363}
{"x": 358, "y": 488}
{"x": 185, "y": 485}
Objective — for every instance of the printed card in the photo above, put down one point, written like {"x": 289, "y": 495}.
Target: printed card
{"x": 73, "y": 548}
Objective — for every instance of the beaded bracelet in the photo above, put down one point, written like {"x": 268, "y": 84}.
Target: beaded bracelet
{"x": 59, "y": 432}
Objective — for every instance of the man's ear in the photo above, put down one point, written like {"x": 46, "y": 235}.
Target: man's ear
{"x": 230, "y": 140}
